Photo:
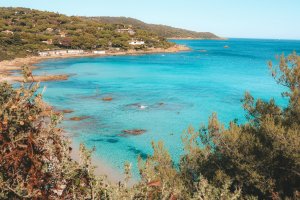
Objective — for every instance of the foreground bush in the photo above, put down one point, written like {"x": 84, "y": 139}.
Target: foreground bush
{"x": 258, "y": 159}
{"x": 34, "y": 157}
{"x": 263, "y": 155}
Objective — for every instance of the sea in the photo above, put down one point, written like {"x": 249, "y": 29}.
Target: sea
{"x": 162, "y": 94}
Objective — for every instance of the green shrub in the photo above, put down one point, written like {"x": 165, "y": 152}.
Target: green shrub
{"x": 259, "y": 159}
{"x": 261, "y": 156}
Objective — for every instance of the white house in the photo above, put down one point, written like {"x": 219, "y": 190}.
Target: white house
{"x": 61, "y": 52}
{"x": 74, "y": 51}
{"x": 53, "y": 52}
{"x": 126, "y": 30}
{"x": 43, "y": 53}
{"x": 49, "y": 30}
{"x": 99, "y": 52}
{"x": 136, "y": 42}
{"x": 8, "y": 32}
{"x": 62, "y": 34}
{"x": 48, "y": 41}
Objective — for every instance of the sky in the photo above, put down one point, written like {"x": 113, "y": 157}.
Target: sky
{"x": 278, "y": 19}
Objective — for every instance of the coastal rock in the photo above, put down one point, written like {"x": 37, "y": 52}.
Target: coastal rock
{"x": 79, "y": 118}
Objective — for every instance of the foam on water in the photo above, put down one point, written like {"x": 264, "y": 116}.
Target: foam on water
{"x": 161, "y": 93}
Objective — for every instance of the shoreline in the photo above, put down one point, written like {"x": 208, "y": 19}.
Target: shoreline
{"x": 101, "y": 168}
{"x": 8, "y": 66}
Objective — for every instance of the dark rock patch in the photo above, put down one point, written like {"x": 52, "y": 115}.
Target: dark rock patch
{"x": 66, "y": 111}
{"x": 80, "y": 118}
{"x": 133, "y": 132}
{"x": 138, "y": 152}
{"x": 97, "y": 140}
{"x": 107, "y": 99}
{"x": 112, "y": 141}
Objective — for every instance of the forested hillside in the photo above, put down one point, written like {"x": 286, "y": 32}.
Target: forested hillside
{"x": 161, "y": 30}
{"x": 25, "y": 32}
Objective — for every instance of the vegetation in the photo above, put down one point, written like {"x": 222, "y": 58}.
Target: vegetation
{"x": 25, "y": 32}
{"x": 261, "y": 156}
{"x": 256, "y": 160}
{"x": 161, "y": 30}
{"x": 35, "y": 160}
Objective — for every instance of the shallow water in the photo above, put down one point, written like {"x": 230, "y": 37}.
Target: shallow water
{"x": 160, "y": 93}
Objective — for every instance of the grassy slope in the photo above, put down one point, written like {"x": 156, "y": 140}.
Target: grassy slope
{"x": 25, "y": 31}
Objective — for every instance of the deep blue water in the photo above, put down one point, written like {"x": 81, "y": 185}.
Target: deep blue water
{"x": 177, "y": 90}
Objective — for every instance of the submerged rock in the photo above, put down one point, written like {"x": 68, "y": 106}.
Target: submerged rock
{"x": 107, "y": 99}
{"x": 137, "y": 105}
{"x": 133, "y": 132}
{"x": 79, "y": 118}
{"x": 142, "y": 107}
{"x": 66, "y": 111}
{"x": 41, "y": 78}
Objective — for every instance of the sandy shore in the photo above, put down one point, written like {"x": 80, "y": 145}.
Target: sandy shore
{"x": 102, "y": 168}
{"x": 7, "y": 66}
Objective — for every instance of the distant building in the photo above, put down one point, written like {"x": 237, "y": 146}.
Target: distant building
{"x": 99, "y": 52}
{"x": 43, "y": 53}
{"x": 74, "y": 51}
{"x": 61, "y": 52}
{"x": 62, "y": 34}
{"x": 114, "y": 49}
{"x": 49, "y": 30}
{"x": 126, "y": 30}
{"x": 49, "y": 42}
{"x": 8, "y": 32}
{"x": 136, "y": 42}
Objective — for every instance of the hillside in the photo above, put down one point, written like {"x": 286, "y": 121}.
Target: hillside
{"x": 25, "y": 32}
{"x": 161, "y": 30}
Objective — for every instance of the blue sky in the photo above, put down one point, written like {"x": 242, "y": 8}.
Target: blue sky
{"x": 228, "y": 18}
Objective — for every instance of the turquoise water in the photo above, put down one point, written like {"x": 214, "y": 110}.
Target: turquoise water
{"x": 161, "y": 93}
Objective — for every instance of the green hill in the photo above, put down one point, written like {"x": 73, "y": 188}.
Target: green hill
{"x": 25, "y": 32}
{"x": 161, "y": 30}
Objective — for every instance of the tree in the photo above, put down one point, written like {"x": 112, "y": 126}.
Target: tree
{"x": 262, "y": 156}
{"x": 35, "y": 160}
